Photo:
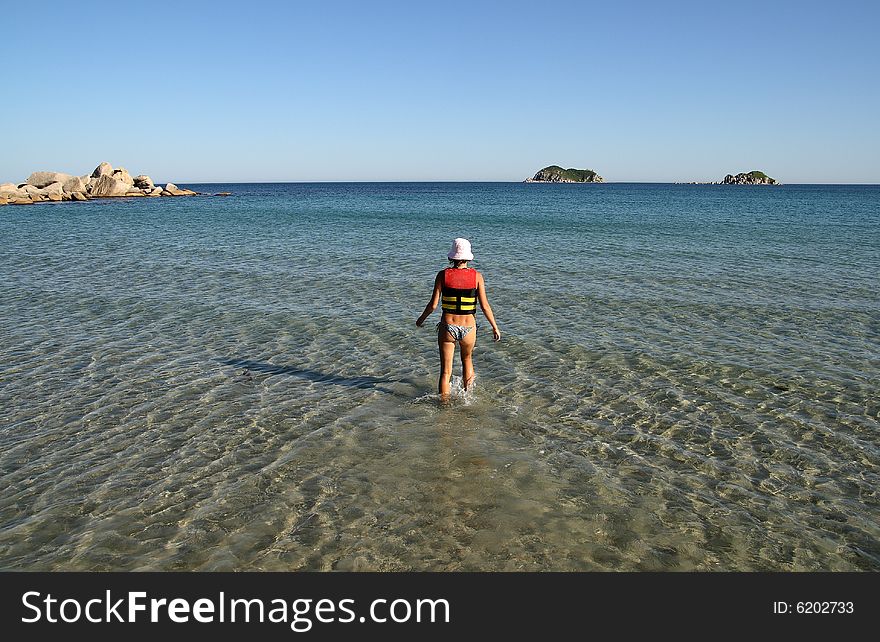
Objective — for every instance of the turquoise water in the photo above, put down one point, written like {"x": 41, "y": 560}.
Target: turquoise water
{"x": 687, "y": 380}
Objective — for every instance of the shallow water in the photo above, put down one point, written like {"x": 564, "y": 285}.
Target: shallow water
{"x": 687, "y": 380}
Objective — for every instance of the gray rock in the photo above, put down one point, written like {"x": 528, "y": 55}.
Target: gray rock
{"x": 143, "y": 182}
{"x": 41, "y": 179}
{"x": 121, "y": 174}
{"x": 54, "y": 189}
{"x": 174, "y": 190}
{"x": 104, "y": 169}
{"x": 109, "y": 186}
{"x": 74, "y": 184}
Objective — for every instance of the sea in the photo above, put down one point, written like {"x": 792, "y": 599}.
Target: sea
{"x": 687, "y": 380}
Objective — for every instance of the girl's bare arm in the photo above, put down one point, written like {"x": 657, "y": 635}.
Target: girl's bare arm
{"x": 435, "y": 299}
{"x": 486, "y": 308}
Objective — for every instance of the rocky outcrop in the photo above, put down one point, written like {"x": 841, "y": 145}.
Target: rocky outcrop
{"x": 42, "y": 179}
{"x": 143, "y": 182}
{"x": 749, "y": 178}
{"x": 104, "y": 182}
{"x": 104, "y": 169}
{"x": 173, "y": 190}
{"x": 121, "y": 174}
{"x": 74, "y": 185}
{"x": 555, "y": 174}
{"x": 108, "y": 186}
{"x": 55, "y": 188}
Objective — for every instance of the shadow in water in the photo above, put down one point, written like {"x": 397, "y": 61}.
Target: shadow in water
{"x": 362, "y": 382}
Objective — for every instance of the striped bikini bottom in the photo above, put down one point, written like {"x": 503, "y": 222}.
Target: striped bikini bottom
{"x": 457, "y": 332}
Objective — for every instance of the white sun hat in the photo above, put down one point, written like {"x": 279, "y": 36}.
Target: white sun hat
{"x": 461, "y": 251}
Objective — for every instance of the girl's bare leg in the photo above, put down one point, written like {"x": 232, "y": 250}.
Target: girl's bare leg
{"x": 467, "y": 363}
{"x": 447, "y": 352}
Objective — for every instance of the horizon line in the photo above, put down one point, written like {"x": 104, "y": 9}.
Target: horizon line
{"x": 311, "y": 182}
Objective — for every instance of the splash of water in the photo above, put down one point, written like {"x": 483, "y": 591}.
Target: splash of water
{"x": 457, "y": 393}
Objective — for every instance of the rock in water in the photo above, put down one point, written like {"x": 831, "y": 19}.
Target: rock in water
{"x": 121, "y": 174}
{"x": 174, "y": 190}
{"x": 74, "y": 184}
{"x": 41, "y": 179}
{"x": 54, "y": 189}
{"x": 143, "y": 182}
{"x": 104, "y": 169}
{"x": 109, "y": 186}
{"x": 105, "y": 181}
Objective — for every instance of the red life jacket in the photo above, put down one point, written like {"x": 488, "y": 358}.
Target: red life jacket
{"x": 459, "y": 292}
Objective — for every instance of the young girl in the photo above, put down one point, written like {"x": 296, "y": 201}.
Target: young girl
{"x": 460, "y": 288}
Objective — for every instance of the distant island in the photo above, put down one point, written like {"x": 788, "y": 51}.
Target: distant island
{"x": 749, "y": 178}
{"x": 555, "y": 174}
{"x": 104, "y": 182}
{"x": 743, "y": 178}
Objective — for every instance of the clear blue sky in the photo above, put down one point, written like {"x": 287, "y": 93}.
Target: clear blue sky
{"x": 315, "y": 91}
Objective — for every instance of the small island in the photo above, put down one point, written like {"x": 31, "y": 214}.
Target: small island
{"x": 555, "y": 174}
{"x": 104, "y": 182}
{"x": 749, "y": 178}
